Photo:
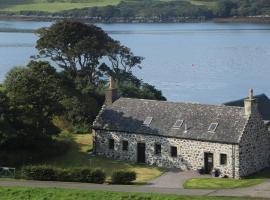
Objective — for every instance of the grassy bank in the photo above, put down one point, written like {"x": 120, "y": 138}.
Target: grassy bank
{"x": 20, "y": 193}
{"x": 217, "y": 183}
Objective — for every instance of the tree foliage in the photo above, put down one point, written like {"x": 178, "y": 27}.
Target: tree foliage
{"x": 34, "y": 93}
{"x": 75, "y": 47}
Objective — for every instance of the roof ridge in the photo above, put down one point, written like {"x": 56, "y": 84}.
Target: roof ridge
{"x": 189, "y": 103}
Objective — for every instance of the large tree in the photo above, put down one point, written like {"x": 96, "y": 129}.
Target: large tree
{"x": 35, "y": 93}
{"x": 6, "y": 129}
{"x": 75, "y": 47}
{"x": 121, "y": 63}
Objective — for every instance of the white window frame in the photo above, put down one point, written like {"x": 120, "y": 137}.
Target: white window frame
{"x": 175, "y": 126}
{"x": 147, "y": 121}
{"x": 210, "y": 129}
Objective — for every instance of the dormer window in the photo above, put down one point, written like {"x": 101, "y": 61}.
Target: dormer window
{"x": 212, "y": 127}
{"x": 178, "y": 124}
{"x": 147, "y": 121}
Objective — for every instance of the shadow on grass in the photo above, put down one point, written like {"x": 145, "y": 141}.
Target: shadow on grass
{"x": 78, "y": 156}
{"x": 264, "y": 174}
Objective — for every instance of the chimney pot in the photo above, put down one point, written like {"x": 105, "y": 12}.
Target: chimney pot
{"x": 250, "y": 103}
{"x": 111, "y": 94}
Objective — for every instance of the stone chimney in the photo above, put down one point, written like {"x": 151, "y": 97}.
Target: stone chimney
{"x": 250, "y": 103}
{"x": 111, "y": 94}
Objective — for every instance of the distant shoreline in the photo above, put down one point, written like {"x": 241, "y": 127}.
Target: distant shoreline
{"x": 255, "y": 19}
{"x": 106, "y": 20}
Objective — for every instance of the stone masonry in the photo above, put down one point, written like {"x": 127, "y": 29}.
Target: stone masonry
{"x": 190, "y": 154}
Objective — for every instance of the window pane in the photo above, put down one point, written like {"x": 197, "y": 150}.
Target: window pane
{"x": 223, "y": 159}
{"x": 173, "y": 151}
{"x": 157, "y": 149}
{"x": 111, "y": 143}
{"x": 178, "y": 123}
{"x": 125, "y": 145}
{"x": 147, "y": 121}
{"x": 213, "y": 127}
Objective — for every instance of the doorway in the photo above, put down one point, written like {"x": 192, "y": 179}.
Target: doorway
{"x": 141, "y": 152}
{"x": 208, "y": 162}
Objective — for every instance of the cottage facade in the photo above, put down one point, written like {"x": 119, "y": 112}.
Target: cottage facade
{"x": 188, "y": 136}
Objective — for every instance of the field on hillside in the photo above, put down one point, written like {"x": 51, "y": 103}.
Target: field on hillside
{"x": 54, "y": 6}
{"x": 60, "y": 5}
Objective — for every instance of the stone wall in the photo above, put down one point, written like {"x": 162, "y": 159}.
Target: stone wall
{"x": 254, "y": 146}
{"x": 190, "y": 154}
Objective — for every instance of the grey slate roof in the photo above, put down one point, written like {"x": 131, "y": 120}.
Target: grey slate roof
{"x": 128, "y": 115}
{"x": 263, "y": 105}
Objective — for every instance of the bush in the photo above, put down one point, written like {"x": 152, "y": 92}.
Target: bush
{"x": 79, "y": 129}
{"x": 42, "y": 173}
{"x": 98, "y": 176}
{"x": 123, "y": 177}
{"x": 49, "y": 173}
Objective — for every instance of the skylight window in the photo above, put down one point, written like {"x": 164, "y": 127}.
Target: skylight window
{"x": 178, "y": 123}
{"x": 212, "y": 127}
{"x": 147, "y": 121}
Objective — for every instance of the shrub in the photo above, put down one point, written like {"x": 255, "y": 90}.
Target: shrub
{"x": 123, "y": 177}
{"x": 81, "y": 175}
{"x": 79, "y": 129}
{"x": 49, "y": 173}
{"x": 98, "y": 176}
{"x": 42, "y": 173}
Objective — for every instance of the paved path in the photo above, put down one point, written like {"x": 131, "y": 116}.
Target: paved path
{"x": 103, "y": 187}
{"x": 262, "y": 190}
{"x": 173, "y": 179}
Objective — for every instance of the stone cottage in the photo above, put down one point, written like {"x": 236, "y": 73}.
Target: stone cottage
{"x": 233, "y": 140}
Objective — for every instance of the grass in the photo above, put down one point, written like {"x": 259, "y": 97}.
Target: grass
{"x": 77, "y": 156}
{"x": 23, "y": 193}
{"x": 41, "y": 5}
{"x": 202, "y": 3}
{"x": 218, "y": 183}
{"x": 56, "y": 6}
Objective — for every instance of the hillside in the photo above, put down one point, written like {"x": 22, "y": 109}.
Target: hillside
{"x": 51, "y": 5}
{"x": 149, "y": 10}
{"x": 60, "y": 5}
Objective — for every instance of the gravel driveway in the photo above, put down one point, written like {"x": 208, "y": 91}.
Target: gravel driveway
{"x": 174, "y": 179}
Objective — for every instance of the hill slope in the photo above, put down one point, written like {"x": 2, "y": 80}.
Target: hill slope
{"x": 52, "y": 5}
{"x": 60, "y": 5}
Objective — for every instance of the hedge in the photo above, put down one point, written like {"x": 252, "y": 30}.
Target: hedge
{"x": 50, "y": 173}
{"x": 123, "y": 177}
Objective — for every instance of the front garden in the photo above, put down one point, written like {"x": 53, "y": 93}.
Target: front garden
{"x": 77, "y": 165}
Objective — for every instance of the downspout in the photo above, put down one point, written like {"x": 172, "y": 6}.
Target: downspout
{"x": 233, "y": 160}
{"x": 94, "y": 142}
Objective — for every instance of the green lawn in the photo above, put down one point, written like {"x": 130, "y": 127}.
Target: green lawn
{"x": 218, "y": 183}
{"x": 22, "y": 193}
{"x": 77, "y": 156}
